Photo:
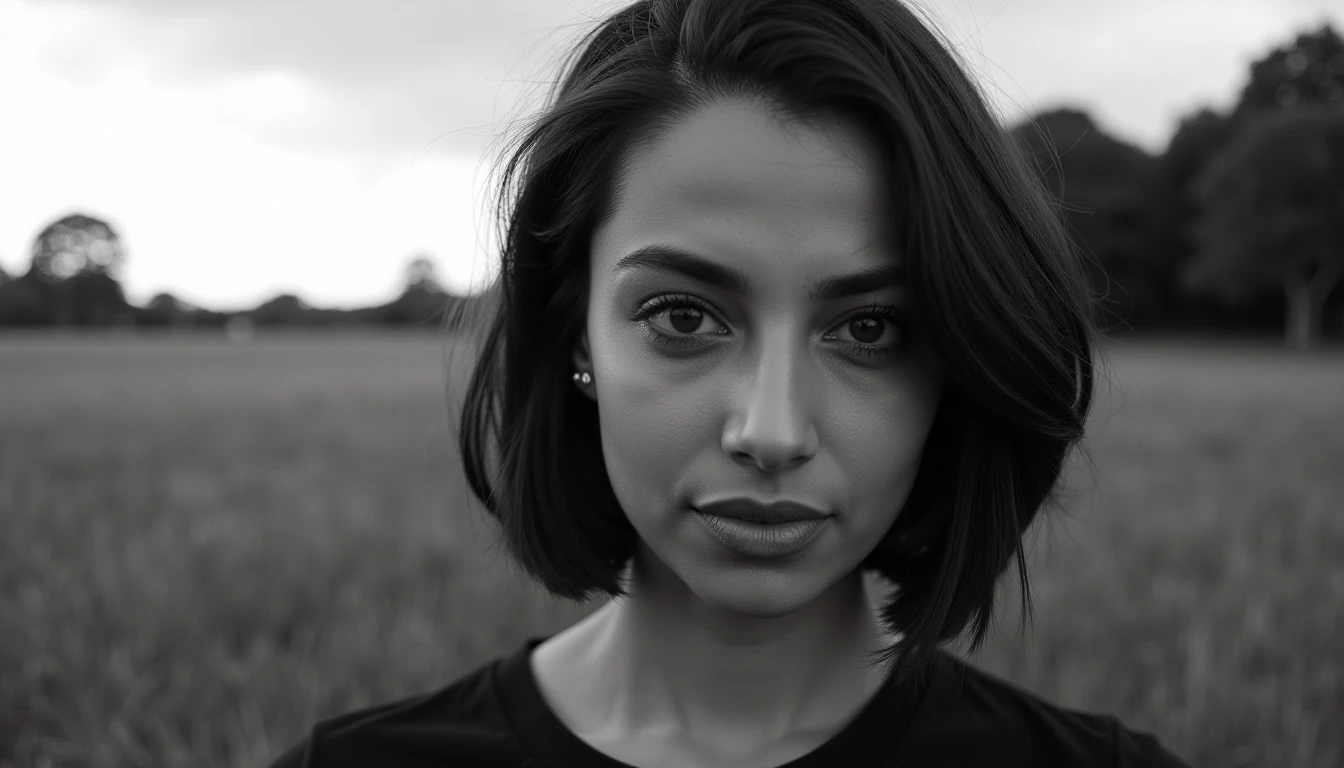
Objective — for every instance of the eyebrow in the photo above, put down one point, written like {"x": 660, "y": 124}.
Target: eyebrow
{"x": 667, "y": 258}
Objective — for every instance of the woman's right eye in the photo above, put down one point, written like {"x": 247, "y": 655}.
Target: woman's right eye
{"x": 686, "y": 319}
{"x": 675, "y": 320}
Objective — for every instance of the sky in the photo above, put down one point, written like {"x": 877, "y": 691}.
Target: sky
{"x": 247, "y": 148}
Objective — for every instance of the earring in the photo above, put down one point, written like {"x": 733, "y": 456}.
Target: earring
{"x": 583, "y": 377}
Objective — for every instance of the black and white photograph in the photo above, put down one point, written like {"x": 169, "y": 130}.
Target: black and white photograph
{"x": 671, "y": 383}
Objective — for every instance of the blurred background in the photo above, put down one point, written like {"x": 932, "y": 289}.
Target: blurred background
{"x": 229, "y": 232}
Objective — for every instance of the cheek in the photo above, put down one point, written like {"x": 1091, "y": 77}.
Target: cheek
{"x": 884, "y": 430}
{"x": 878, "y": 442}
{"x": 651, "y": 429}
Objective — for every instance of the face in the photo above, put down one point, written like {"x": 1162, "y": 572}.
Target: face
{"x": 774, "y": 389}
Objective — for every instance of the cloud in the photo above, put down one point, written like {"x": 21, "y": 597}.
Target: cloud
{"x": 376, "y": 76}
{"x": 396, "y": 78}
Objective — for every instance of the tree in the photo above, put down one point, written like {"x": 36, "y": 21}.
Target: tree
{"x": 166, "y": 309}
{"x": 75, "y": 244}
{"x": 1198, "y": 138}
{"x": 22, "y": 302}
{"x": 1309, "y": 70}
{"x": 422, "y": 273}
{"x": 1104, "y": 186}
{"x": 1271, "y": 213}
{"x": 72, "y": 276}
{"x": 94, "y": 298}
{"x": 285, "y": 309}
{"x": 423, "y": 300}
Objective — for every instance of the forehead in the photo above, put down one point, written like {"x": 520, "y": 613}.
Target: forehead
{"x": 737, "y": 183}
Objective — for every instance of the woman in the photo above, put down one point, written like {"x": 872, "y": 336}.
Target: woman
{"x": 781, "y": 305}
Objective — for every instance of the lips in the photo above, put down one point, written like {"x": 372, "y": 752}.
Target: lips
{"x": 751, "y": 511}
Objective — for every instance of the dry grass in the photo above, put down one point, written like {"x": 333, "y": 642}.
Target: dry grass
{"x": 209, "y": 546}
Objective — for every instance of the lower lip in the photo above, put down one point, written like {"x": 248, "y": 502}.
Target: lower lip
{"x": 761, "y": 539}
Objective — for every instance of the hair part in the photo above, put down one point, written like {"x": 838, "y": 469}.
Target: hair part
{"x": 996, "y": 283}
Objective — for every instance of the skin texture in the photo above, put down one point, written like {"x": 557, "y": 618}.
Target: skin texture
{"x": 716, "y": 658}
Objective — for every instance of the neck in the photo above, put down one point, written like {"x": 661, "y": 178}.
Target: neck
{"x": 663, "y": 659}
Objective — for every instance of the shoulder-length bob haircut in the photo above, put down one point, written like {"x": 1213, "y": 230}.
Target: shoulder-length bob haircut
{"x": 998, "y": 290}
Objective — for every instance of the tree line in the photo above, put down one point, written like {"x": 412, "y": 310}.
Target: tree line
{"x": 1237, "y": 226}
{"x": 71, "y": 282}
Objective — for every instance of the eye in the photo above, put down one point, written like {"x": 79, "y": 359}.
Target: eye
{"x": 678, "y": 319}
{"x": 869, "y": 326}
{"x": 872, "y": 326}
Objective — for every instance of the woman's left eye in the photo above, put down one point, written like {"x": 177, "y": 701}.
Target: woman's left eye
{"x": 874, "y": 326}
{"x": 866, "y": 329}
{"x": 869, "y": 325}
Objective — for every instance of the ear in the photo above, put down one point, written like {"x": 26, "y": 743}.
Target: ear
{"x": 583, "y": 363}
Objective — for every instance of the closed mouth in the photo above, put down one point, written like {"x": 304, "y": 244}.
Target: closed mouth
{"x": 751, "y": 511}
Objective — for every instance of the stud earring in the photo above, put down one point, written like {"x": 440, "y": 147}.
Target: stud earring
{"x": 583, "y": 377}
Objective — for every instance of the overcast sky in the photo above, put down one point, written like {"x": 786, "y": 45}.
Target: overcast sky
{"x": 244, "y": 148}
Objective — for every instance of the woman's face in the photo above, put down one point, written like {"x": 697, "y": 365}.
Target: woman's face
{"x": 707, "y": 391}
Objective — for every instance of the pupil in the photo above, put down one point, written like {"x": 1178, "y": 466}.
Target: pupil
{"x": 869, "y": 326}
{"x": 690, "y": 316}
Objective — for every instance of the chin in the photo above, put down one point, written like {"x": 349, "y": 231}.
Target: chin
{"x": 760, "y": 593}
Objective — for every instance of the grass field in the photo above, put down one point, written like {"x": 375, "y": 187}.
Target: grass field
{"x": 208, "y": 546}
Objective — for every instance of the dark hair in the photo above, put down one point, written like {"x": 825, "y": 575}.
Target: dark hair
{"x": 997, "y": 285}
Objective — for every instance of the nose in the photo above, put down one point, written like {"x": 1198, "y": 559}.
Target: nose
{"x": 771, "y": 422}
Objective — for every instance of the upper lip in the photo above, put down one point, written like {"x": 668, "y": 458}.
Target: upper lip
{"x": 754, "y": 511}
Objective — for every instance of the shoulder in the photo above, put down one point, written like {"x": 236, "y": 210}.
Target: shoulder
{"x": 976, "y": 715}
{"x": 462, "y": 720}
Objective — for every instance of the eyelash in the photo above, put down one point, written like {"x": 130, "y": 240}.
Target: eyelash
{"x": 670, "y": 301}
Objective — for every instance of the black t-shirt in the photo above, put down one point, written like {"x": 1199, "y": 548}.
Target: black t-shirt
{"x": 961, "y": 716}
